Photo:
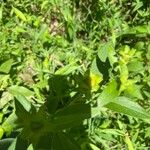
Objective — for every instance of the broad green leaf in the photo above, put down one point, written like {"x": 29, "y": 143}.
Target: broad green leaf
{"x": 135, "y": 66}
{"x": 128, "y": 107}
{"x": 108, "y": 94}
{"x": 20, "y": 90}
{"x": 22, "y": 101}
{"x": 107, "y": 50}
{"x": 19, "y": 14}
{"x": 63, "y": 142}
{"x": 6, "y": 66}
{"x": 71, "y": 116}
{"x": 20, "y": 111}
{"x": 134, "y": 90}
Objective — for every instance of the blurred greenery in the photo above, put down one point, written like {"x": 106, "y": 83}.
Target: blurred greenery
{"x": 75, "y": 74}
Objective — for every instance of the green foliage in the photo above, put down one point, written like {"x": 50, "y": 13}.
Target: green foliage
{"x": 74, "y": 74}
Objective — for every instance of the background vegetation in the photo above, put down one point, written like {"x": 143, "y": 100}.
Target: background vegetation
{"x": 74, "y": 74}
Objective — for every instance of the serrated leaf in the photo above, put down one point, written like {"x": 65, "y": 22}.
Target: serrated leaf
{"x": 128, "y": 107}
{"x": 6, "y": 66}
{"x": 19, "y": 14}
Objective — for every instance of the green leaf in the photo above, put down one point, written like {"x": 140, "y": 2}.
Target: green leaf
{"x": 95, "y": 76}
{"x": 20, "y": 90}
{"x": 93, "y": 147}
{"x": 44, "y": 142}
{"x": 1, "y": 132}
{"x": 147, "y": 132}
{"x": 5, "y": 98}
{"x": 1, "y": 11}
{"x": 63, "y": 142}
{"x": 30, "y": 147}
{"x": 137, "y": 6}
{"x": 19, "y": 14}
{"x": 135, "y": 66}
{"x": 107, "y": 50}
{"x": 10, "y": 123}
{"x": 1, "y": 117}
{"x": 21, "y": 101}
{"x": 41, "y": 33}
{"x": 108, "y": 94}
{"x": 129, "y": 142}
{"x": 134, "y": 90}
{"x": 144, "y": 29}
{"x": 6, "y": 66}
{"x": 71, "y": 116}
{"x": 67, "y": 69}
{"x": 18, "y": 144}
{"x": 103, "y": 52}
{"x": 5, "y": 143}
{"x": 21, "y": 112}
{"x": 126, "y": 106}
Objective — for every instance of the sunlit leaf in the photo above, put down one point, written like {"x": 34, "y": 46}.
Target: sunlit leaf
{"x": 128, "y": 107}
{"x": 6, "y": 66}
{"x": 20, "y": 90}
{"x": 19, "y": 14}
